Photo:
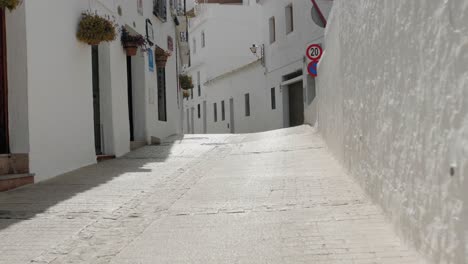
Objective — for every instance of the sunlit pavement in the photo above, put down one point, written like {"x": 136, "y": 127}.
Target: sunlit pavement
{"x": 274, "y": 197}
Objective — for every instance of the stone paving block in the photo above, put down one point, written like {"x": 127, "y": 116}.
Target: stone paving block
{"x": 273, "y": 197}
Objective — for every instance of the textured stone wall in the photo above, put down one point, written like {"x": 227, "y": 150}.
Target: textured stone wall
{"x": 393, "y": 107}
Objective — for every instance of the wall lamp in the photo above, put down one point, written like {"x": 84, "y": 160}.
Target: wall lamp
{"x": 259, "y": 52}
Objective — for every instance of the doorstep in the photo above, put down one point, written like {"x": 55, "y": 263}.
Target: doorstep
{"x": 13, "y": 181}
{"x": 101, "y": 158}
{"x": 14, "y": 163}
{"x": 137, "y": 144}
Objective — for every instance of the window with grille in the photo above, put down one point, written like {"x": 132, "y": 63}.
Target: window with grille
{"x": 160, "y": 9}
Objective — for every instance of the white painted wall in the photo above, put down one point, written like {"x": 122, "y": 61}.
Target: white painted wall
{"x": 395, "y": 113}
{"x": 223, "y": 54}
{"x": 59, "y": 89}
{"x": 228, "y": 69}
{"x": 50, "y": 83}
{"x": 249, "y": 80}
{"x": 287, "y": 54}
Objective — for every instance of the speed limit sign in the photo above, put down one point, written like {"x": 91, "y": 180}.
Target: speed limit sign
{"x": 314, "y": 52}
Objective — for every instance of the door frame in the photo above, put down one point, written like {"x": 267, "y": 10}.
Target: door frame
{"x": 4, "y": 83}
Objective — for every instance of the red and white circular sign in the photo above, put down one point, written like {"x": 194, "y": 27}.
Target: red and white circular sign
{"x": 314, "y": 52}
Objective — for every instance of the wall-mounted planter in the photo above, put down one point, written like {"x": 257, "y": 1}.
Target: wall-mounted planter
{"x": 185, "y": 82}
{"x": 131, "y": 43}
{"x": 94, "y": 29}
{"x": 131, "y": 49}
{"x": 161, "y": 57}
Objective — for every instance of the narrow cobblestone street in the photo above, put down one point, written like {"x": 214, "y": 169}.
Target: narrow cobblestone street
{"x": 274, "y": 197}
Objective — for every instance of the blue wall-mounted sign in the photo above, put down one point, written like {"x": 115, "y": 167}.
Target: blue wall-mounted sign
{"x": 150, "y": 60}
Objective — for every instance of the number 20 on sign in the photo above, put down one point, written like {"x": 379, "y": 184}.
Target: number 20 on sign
{"x": 314, "y": 53}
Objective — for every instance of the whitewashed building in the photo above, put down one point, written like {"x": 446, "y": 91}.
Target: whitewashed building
{"x": 67, "y": 101}
{"x": 238, "y": 91}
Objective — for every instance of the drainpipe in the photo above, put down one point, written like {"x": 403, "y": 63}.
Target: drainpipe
{"x": 322, "y": 17}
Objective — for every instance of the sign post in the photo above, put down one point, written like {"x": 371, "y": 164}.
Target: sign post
{"x": 314, "y": 53}
{"x": 312, "y": 68}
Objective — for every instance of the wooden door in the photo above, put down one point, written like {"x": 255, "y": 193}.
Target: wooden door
{"x": 4, "y": 141}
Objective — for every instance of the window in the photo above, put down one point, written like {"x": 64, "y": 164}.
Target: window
{"x": 272, "y": 30}
{"x": 215, "y": 108}
{"x": 198, "y": 84}
{"x": 161, "y": 80}
{"x": 183, "y": 36}
{"x": 247, "y": 105}
{"x": 289, "y": 19}
{"x": 160, "y": 9}
{"x": 203, "y": 39}
{"x": 199, "y": 114}
{"x": 223, "y": 111}
{"x": 194, "y": 48}
{"x": 273, "y": 99}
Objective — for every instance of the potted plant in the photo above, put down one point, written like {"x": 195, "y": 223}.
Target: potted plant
{"x": 131, "y": 43}
{"x": 10, "y": 4}
{"x": 161, "y": 57}
{"x": 185, "y": 82}
{"x": 94, "y": 29}
{"x": 186, "y": 94}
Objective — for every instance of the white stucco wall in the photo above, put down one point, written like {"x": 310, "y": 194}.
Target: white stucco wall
{"x": 50, "y": 84}
{"x": 393, "y": 107}
{"x": 287, "y": 54}
{"x": 251, "y": 80}
{"x": 59, "y": 89}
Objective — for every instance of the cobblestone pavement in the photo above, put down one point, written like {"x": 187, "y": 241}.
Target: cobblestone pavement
{"x": 274, "y": 197}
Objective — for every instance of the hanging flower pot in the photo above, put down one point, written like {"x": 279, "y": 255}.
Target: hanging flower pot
{"x": 131, "y": 43}
{"x": 10, "y": 4}
{"x": 161, "y": 57}
{"x": 185, "y": 82}
{"x": 161, "y": 61}
{"x": 94, "y": 29}
{"x": 131, "y": 49}
{"x": 186, "y": 94}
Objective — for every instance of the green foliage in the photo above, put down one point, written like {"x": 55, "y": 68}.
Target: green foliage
{"x": 94, "y": 29}
{"x": 10, "y": 4}
{"x": 185, "y": 82}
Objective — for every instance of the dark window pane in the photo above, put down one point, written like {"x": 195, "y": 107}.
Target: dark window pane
{"x": 247, "y": 105}
{"x": 273, "y": 98}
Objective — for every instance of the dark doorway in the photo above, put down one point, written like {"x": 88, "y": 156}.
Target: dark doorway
{"x": 96, "y": 101}
{"x": 130, "y": 96}
{"x": 296, "y": 104}
{"x": 4, "y": 141}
